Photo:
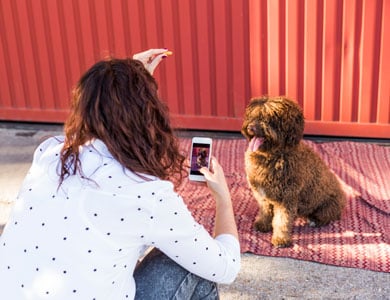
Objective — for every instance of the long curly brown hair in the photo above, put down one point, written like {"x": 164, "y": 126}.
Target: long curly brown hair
{"x": 116, "y": 101}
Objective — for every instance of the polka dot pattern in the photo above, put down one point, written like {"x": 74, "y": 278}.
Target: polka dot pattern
{"x": 60, "y": 243}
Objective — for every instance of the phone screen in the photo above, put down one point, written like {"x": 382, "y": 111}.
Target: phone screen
{"x": 199, "y": 157}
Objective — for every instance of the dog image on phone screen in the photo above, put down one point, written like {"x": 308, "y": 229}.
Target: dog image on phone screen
{"x": 201, "y": 159}
{"x": 287, "y": 177}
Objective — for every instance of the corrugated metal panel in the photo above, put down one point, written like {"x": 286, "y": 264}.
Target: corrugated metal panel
{"x": 46, "y": 45}
{"x": 330, "y": 55}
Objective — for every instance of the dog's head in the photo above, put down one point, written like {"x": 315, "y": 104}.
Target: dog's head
{"x": 202, "y": 153}
{"x": 273, "y": 123}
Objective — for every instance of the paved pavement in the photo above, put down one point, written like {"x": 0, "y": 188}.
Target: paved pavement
{"x": 261, "y": 277}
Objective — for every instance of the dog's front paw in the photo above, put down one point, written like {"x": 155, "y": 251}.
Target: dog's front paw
{"x": 316, "y": 223}
{"x": 262, "y": 226}
{"x": 279, "y": 242}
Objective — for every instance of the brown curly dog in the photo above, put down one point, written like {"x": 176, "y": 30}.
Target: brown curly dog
{"x": 288, "y": 179}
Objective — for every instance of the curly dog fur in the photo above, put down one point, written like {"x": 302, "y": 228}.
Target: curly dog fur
{"x": 288, "y": 179}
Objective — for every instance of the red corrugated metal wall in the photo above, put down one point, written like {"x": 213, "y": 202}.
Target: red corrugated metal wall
{"x": 329, "y": 55}
{"x": 332, "y": 56}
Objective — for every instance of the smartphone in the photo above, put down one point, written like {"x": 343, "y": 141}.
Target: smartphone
{"x": 200, "y": 157}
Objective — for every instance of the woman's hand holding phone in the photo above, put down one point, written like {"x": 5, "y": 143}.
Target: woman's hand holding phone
{"x": 224, "y": 215}
{"x": 205, "y": 167}
{"x": 216, "y": 181}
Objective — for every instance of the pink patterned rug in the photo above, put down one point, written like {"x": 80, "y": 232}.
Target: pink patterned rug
{"x": 361, "y": 239}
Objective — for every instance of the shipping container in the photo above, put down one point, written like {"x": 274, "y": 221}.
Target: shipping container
{"x": 328, "y": 55}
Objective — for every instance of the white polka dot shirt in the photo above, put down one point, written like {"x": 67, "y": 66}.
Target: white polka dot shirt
{"x": 83, "y": 240}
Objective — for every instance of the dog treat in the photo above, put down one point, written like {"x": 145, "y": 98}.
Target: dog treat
{"x": 168, "y": 53}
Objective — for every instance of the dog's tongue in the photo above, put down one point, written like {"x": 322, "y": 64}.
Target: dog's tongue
{"x": 255, "y": 143}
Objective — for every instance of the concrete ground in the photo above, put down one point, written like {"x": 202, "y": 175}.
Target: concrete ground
{"x": 261, "y": 277}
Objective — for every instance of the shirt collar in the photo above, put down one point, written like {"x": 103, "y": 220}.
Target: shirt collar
{"x": 100, "y": 147}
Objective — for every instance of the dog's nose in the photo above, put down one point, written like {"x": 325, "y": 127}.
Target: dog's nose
{"x": 251, "y": 128}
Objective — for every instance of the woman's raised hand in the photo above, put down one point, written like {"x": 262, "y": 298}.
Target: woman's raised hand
{"x": 151, "y": 58}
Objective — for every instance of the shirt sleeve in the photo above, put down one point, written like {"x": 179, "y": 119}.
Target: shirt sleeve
{"x": 176, "y": 233}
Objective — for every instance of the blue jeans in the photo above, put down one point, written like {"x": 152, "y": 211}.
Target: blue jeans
{"x": 159, "y": 277}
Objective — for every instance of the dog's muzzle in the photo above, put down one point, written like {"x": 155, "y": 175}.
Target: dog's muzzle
{"x": 251, "y": 129}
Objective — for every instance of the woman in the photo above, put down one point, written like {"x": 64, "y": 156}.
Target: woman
{"x": 95, "y": 199}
